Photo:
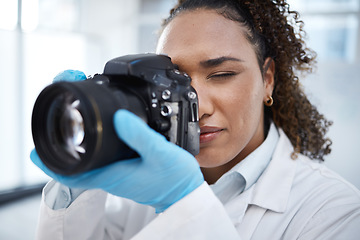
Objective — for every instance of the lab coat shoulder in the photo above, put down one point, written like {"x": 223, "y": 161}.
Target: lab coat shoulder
{"x": 83, "y": 219}
{"x": 301, "y": 199}
{"x": 334, "y": 203}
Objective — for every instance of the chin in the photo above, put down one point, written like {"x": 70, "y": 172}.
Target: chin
{"x": 209, "y": 161}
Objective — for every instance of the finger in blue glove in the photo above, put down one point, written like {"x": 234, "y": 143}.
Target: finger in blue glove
{"x": 70, "y": 76}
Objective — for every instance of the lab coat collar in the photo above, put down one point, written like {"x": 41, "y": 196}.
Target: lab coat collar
{"x": 242, "y": 176}
{"x": 273, "y": 188}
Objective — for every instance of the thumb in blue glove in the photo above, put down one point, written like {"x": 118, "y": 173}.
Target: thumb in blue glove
{"x": 163, "y": 174}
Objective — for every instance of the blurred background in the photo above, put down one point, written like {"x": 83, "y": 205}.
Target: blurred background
{"x": 40, "y": 38}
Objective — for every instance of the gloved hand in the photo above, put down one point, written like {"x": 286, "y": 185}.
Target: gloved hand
{"x": 163, "y": 174}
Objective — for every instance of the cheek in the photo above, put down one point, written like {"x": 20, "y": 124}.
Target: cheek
{"x": 242, "y": 103}
{"x": 246, "y": 114}
{"x": 243, "y": 120}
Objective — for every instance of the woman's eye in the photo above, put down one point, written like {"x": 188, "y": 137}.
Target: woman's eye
{"x": 222, "y": 75}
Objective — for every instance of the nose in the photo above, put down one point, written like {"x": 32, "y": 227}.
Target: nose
{"x": 205, "y": 98}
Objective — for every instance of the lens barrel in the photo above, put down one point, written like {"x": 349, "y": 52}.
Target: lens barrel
{"x": 72, "y": 126}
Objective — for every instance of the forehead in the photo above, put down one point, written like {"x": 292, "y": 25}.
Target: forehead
{"x": 203, "y": 31}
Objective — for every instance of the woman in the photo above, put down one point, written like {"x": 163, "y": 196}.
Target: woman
{"x": 261, "y": 145}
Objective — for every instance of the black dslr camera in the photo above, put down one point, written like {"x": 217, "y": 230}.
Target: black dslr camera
{"x": 72, "y": 122}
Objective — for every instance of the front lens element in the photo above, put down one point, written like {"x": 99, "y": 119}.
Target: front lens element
{"x": 71, "y": 124}
{"x": 66, "y": 125}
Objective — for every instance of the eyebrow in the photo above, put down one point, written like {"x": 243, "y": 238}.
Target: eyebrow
{"x": 218, "y": 61}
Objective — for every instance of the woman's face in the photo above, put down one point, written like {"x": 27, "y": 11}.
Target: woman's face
{"x": 231, "y": 89}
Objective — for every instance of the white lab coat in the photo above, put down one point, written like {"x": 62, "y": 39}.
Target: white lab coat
{"x": 293, "y": 199}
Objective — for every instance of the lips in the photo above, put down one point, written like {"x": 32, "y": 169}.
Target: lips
{"x": 209, "y": 133}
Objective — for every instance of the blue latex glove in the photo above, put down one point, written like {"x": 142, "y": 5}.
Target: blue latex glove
{"x": 163, "y": 174}
{"x": 70, "y": 76}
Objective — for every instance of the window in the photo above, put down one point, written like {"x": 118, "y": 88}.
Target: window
{"x": 32, "y": 53}
{"x": 8, "y": 14}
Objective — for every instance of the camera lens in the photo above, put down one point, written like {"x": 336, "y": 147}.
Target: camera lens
{"x": 72, "y": 125}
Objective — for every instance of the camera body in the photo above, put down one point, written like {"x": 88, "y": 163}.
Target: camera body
{"x": 72, "y": 122}
{"x": 170, "y": 102}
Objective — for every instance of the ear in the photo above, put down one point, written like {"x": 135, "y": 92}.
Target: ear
{"x": 268, "y": 77}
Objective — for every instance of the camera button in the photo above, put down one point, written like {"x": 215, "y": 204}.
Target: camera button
{"x": 166, "y": 110}
{"x": 166, "y": 94}
{"x": 191, "y": 95}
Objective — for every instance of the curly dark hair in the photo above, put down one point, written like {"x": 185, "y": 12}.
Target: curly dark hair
{"x": 277, "y": 32}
